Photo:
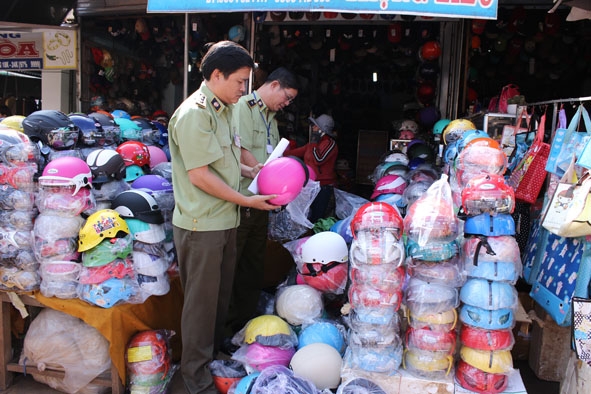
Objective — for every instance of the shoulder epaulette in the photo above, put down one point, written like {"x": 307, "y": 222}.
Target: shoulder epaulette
{"x": 200, "y": 100}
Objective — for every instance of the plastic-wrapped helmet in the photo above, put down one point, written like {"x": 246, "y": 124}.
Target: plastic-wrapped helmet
{"x": 157, "y": 156}
{"x": 470, "y": 135}
{"x": 494, "y": 258}
{"x": 392, "y": 199}
{"x": 149, "y": 131}
{"x": 389, "y": 184}
{"x": 67, "y": 171}
{"x": 397, "y": 157}
{"x": 245, "y": 384}
{"x": 323, "y": 332}
{"x": 148, "y": 233}
{"x": 150, "y": 264}
{"x": 477, "y": 159}
{"x": 92, "y": 133}
{"x": 105, "y": 223}
{"x": 488, "y": 193}
{"x": 385, "y": 277}
{"x": 427, "y": 364}
{"x": 54, "y": 237}
{"x": 409, "y": 125}
{"x": 388, "y": 168}
{"x": 442, "y": 321}
{"x": 119, "y": 113}
{"x": 440, "y": 125}
{"x": 109, "y": 293}
{"x": 285, "y": 177}
{"x": 269, "y": 330}
{"x": 52, "y": 128}
{"x": 162, "y": 132}
{"x": 129, "y": 130}
{"x": 151, "y": 183}
{"x": 150, "y": 371}
{"x": 280, "y": 379}
{"x": 495, "y": 361}
{"x": 414, "y": 191}
{"x": 360, "y": 386}
{"x": 378, "y": 357}
{"x": 479, "y": 381}
{"x": 133, "y": 172}
{"x": 17, "y": 149}
{"x": 329, "y": 278}
{"x": 320, "y": 363}
{"x": 498, "y": 319}
{"x": 15, "y": 122}
{"x": 118, "y": 268}
{"x": 426, "y": 297}
{"x": 59, "y": 200}
{"x": 451, "y": 152}
{"x": 490, "y": 225}
{"x": 139, "y": 205}
{"x": 373, "y": 328}
{"x": 449, "y": 272}
{"x": 363, "y": 297}
{"x": 425, "y": 339}
{"x": 110, "y": 128}
{"x": 107, "y": 251}
{"x": 380, "y": 248}
{"x": 106, "y": 165}
{"x": 299, "y": 304}
{"x": 478, "y": 338}
{"x": 260, "y": 357}
{"x": 432, "y": 251}
{"x": 134, "y": 152}
{"x": 488, "y": 294}
{"x": 455, "y": 129}
{"x": 431, "y": 219}
{"x": 343, "y": 228}
{"x": 374, "y": 216}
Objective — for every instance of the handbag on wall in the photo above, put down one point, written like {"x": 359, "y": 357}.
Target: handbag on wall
{"x": 515, "y": 140}
{"x": 553, "y": 217}
{"x": 581, "y": 328}
{"x": 529, "y": 175}
{"x": 568, "y": 142}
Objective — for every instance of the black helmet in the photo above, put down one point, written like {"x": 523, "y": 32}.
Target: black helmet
{"x": 91, "y": 130}
{"x": 150, "y": 133}
{"x": 110, "y": 128}
{"x": 138, "y": 204}
{"x": 52, "y": 128}
{"x": 106, "y": 165}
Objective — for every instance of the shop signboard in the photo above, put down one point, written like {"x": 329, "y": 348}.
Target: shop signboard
{"x": 50, "y": 49}
{"x": 481, "y": 9}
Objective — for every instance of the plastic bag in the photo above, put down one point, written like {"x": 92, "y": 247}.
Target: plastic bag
{"x": 432, "y": 217}
{"x": 347, "y": 203}
{"x": 257, "y": 357}
{"x": 292, "y": 221}
{"x": 59, "y": 341}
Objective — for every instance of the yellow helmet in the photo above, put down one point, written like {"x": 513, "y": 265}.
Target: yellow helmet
{"x": 455, "y": 129}
{"x": 427, "y": 362}
{"x": 105, "y": 223}
{"x": 14, "y": 122}
{"x": 491, "y": 361}
{"x": 269, "y": 330}
{"x": 445, "y": 320}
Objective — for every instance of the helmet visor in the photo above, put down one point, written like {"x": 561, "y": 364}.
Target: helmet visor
{"x": 62, "y": 138}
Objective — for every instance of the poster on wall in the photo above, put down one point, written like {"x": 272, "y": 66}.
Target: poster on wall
{"x": 483, "y": 9}
{"x": 50, "y": 49}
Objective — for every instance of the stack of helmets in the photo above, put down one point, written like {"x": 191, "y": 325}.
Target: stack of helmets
{"x": 324, "y": 262}
{"x": 108, "y": 175}
{"x": 419, "y": 180}
{"x": 389, "y": 178}
{"x": 107, "y": 277}
{"x": 436, "y": 273}
{"x": 375, "y": 292}
{"x": 18, "y": 165}
{"x": 493, "y": 265}
{"x": 144, "y": 219}
{"x": 265, "y": 341}
{"x": 64, "y": 196}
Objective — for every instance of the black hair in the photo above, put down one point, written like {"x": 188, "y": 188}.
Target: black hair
{"x": 226, "y": 56}
{"x": 286, "y": 78}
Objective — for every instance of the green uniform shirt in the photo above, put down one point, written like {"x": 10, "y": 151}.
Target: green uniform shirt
{"x": 201, "y": 134}
{"x": 257, "y": 127}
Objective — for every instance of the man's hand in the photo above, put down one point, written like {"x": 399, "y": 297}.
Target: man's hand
{"x": 260, "y": 202}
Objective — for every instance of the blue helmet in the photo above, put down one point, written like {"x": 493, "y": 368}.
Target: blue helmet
{"x": 498, "y": 319}
{"x": 245, "y": 384}
{"x": 488, "y": 294}
{"x": 109, "y": 293}
{"x": 490, "y": 225}
{"x": 119, "y": 113}
{"x": 324, "y": 332}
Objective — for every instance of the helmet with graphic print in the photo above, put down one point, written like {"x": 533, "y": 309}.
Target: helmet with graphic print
{"x": 488, "y": 193}
{"x": 67, "y": 171}
{"x": 455, "y": 129}
{"x": 389, "y": 184}
{"x": 106, "y": 165}
{"x": 134, "y": 152}
{"x": 105, "y": 223}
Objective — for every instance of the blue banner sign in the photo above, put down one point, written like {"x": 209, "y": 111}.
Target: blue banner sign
{"x": 481, "y": 9}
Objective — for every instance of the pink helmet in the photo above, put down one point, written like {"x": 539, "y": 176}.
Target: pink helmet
{"x": 388, "y": 184}
{"x": 157, "y": 156}
{"x": 285, "y": 177}
{"x": 67, "y": 171}
{"x": 260, "y": 356}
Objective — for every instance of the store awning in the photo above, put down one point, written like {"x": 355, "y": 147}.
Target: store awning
{"x": 483, "y": 9}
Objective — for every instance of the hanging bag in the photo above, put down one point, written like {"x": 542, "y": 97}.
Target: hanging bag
{"x": 515, "y": 139}
{"x": 565, "y": 272}
{"x": 581, "y": 328}
{"x": 508, "y": 92}
{"x": 528, "y": 176}
{"x": 577, "y": 219}
{"x": 568, "y": 142}
{"x": 555, "y": 210}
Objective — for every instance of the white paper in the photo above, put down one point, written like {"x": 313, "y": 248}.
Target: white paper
{"x": 277, "y": 152}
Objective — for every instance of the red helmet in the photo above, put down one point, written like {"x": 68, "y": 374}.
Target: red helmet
{"x": 431, "y": 50}
{"x": 482, "y": 339}
{"x": 488, "y": 193}
{"x": 431, "y": 340}
{"x": 155, "y": 368}
{"x": 327, "y": 278}
{"x": 380, "y": 276}
{"x": 474, "y": 379}
{"x": 362, "y": 296}
{"x": 134, "y": 152}
{"x": 377, "y": 215}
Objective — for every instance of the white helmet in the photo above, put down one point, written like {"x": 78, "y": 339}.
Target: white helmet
{"x": 324, "y": 248}
{"x": 299, "y": 304}
{"x": 409, "y": 125}
{"x": 320, "y": 363}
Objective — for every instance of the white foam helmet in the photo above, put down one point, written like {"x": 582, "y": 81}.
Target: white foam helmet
{"x": 299, "y": 304}
{"x": 325, "y": 247}
{"x": 320, "y": 363}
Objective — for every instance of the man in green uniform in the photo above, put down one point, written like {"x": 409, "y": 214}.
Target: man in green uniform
{"x": 206, "y": 169}
{"x": 254, "y": 116}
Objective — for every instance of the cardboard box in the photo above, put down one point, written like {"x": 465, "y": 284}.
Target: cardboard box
{"x": 550, "y": 347}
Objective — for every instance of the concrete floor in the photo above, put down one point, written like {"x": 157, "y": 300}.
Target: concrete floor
{"x": 27, "y": 385}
